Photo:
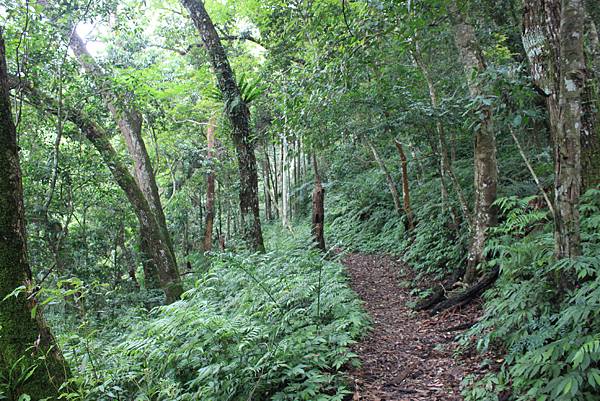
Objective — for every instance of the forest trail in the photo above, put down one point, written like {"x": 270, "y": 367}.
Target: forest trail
{"x": 408, "y": 355}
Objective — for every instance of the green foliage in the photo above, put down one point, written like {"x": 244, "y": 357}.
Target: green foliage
{"x": 274, "y": 326}
{"x": 551, "y": 337}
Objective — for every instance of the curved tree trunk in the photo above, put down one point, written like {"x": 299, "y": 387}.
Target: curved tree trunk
{"x": 129, "y": 122}
{"x": 239, "y": 116}
{"x": 159, "y": 251}
{"x": 24, "y": 335}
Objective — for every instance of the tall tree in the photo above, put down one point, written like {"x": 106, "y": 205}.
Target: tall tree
{"x": 486, "y": 166}
{"x": 405, "y": 187}
{"x": 567, "y": 147}
{"x": 285, "y": 182}
{"x": 318, "y": 209}
{"x": 30, "y": 361}
{"x": 553, "y": 40}
{"x": 129, "y": 121}
{"x": 210, "y": 185}
{"x": 168, "y": 275}
{"x": 239, "y": 115}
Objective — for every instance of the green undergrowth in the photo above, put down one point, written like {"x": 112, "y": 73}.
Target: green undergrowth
{"x": 275, "y": 326}
{"x": 360, "y": 217}
{"x": 550, "y": 337}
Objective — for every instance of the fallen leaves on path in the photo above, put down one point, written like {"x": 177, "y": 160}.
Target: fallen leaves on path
{"x": 408, "y": 355}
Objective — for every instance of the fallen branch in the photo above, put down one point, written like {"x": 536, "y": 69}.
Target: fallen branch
{"x": 470, "y": 293}
{"x": 439, "y": 291}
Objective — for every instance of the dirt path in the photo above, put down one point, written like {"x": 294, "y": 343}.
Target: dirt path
{"x": 408, "y": 355}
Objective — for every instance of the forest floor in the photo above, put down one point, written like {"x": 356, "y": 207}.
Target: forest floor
{"x": 408, "y": 355}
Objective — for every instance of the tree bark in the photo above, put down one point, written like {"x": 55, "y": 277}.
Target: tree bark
{"x": 405, "y": 187}
{"x": 210, "y": 186}
{"x": 486, "y": 167}
{"x": 553, "y": 39}
{"x": 318, "y": 209}
{"x": 158, "y": 248}
{"x": 24, "y": 335}
{"x": 239, "y": 116}
{"x": 590, "y": 133}
{"x": 567, "y": 169}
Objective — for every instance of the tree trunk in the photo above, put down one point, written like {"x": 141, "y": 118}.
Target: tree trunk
{"x": 405, "y": 187}
{"x": 24, "y": 335}
{"x": 285, "y": 183}
{"x": 210, "y": 186}
{"x": 590, "y": 133}
{"x": 318, "y": 209}
{"x": 553, "y": 39}
{"x": 129, "y": 122}
{"x": 567, "y": 147}
{"x": 275, "y": 183}
{"x": 267, "y": 185}
{"x": 388, "y": 178}
{"x": 239, "y": 116}
{"x": 485, "y": 164}
{"x": 158, "y": 248}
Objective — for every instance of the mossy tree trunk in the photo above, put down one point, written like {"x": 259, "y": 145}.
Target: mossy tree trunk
{"x": 239, "y": 115}
{"x": 26, "y": 343}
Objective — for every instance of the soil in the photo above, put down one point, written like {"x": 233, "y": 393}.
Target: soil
{"x": 408, "y": 355}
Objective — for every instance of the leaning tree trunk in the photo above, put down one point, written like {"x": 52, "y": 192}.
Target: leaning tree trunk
{"x": 318, "y": 209}
{"x": 26, "y": 343}
{"x": 210, "y": 186}
{"x": 445, "y": 161}
{"x": 160, "y": 253}
{"x": 239, "y": 116}
{"x": 486, "y": 167}
{"x": 129, "y": 122}
{"x": 388, "y": 178}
